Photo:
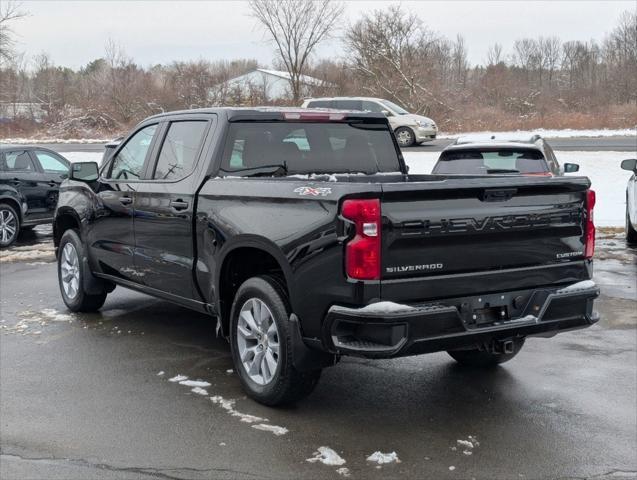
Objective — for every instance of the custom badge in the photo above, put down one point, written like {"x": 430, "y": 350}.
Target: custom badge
{"x": 313, "y": 191}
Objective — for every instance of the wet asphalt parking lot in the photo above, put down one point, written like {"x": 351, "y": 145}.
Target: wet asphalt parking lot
{"x": 82, "y": 396}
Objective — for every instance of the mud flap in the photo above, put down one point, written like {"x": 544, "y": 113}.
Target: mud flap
{"x": 304, "y": 358}
{"x": 91, "y": 284}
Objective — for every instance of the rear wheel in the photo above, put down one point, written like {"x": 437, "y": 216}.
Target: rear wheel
{"x": 405, "y": 136}
{"x": 71, "y": 275}
{"x": 261, "y": 344}
{"x": 9, "y": 225}
{"x": 485, "y": 358}
{"x": 631, "y": 233}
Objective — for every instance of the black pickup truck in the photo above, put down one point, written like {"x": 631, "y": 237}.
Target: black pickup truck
{"x": 303, "y": 234}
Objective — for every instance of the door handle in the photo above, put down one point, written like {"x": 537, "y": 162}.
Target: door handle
{"x": 179, "y": 204}
{"x": 15, "y": 182}
{"x": 125, "y": 200}
{"x": 52, "y": 184}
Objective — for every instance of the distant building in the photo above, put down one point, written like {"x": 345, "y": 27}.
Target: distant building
{"x": 268, "y": 84}
{"x": 10, "y": 111}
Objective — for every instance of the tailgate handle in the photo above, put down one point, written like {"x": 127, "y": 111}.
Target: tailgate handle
{"x": 500, "y": 195}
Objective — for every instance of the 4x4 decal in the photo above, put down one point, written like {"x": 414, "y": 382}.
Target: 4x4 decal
{"x": 313, "y": 191}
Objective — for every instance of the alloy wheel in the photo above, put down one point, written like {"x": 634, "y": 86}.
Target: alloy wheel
{"x": 258, "y": 341}
{"x": 70, "y": 271}
{"x": 8, "y": 226}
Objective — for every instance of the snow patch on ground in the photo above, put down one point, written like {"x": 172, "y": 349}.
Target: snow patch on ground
{"x": 607, "y": 179}
{"x": 549, "y": 133}
{"x": 467, "y": 445}
{"x": 199, "y": 391}
{"x": 178, "y": 378}
{"x": 326, "y": 456}
{"x": 382, "y": 458}
{"x": 228, "y": 406}
{"x": 343, "y": 471}
{"x": 578, "y": 286}
{"x": 41, "y": 252}
{"x": 194, "y": 383}
{"x": 275, "y": 429}
{"x": 31, "y": 322}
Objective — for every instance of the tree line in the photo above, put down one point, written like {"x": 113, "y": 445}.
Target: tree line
{"x": 389, "y": 53}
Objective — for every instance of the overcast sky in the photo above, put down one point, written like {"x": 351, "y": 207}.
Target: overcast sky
{"x": 75, "y": 32}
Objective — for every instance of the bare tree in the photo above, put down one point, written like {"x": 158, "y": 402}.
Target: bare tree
{"x": 297, "y": 27}
{"x": 397, "y": 57}
{"x": 9, "y": 12}
{"x": 494, "y": 54}
{"x": 551, "y": 55}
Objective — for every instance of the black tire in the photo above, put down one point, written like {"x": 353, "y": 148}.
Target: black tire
{"x": 9, "y": 225}
{"x": 631, "y": 233}
{"x": 483, "y": 358}
{"x": 80, "y": 301}
{"x": 405, "y": 137}
{"x": 287, "y": 384}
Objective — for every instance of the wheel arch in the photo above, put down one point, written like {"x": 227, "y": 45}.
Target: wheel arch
{"x": 14, "y": 203}
{"x": 247, "y": 257}
{"x": 65, "y": 219}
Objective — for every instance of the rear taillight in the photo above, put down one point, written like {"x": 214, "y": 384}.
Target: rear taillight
{"x": 362, "y": 253}
{"x": 589, "y": 249}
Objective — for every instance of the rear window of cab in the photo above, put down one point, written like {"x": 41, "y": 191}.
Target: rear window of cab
{"x": 305, "y": 147}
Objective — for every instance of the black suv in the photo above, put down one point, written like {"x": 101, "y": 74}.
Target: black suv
{"x": 30, "y": 178}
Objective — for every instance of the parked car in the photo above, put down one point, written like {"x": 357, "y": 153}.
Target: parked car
{"x": 303, "y": 234}
{"x": 631, "y": 201}
{"x": 410, "y": 129}
{"x": 29, "y": 181}
{"x": 479, "y": 155}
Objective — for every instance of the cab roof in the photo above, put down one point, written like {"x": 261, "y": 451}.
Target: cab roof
{"x": 234, "y": 114}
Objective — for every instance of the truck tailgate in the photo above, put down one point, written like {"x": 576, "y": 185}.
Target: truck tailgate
{"x": 464, "y": 226}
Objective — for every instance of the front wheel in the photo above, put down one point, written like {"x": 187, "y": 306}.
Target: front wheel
{"x": 261, "y": 344}
{"x": 485, "y": 358}
{"x": 405, "y": 137}
{"x": 631, "y": 233}
{"x": 71, "y": 275}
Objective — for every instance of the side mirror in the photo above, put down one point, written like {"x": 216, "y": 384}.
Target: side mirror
{"x": 387, "y": 113}
{"x": 571, "y": 167}
{"x": 629, "y": 164}
{"x": 84, "y": 171}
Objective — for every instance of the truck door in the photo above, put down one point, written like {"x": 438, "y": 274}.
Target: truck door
{"x": 111, "y": 238}
{"x": 164, "y": 207}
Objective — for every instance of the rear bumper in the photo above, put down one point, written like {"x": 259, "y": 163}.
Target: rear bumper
{"x": 459, "y": 323}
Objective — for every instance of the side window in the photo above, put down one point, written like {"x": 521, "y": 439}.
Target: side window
{"x": 298, "y": 138}
{"x": 349, "y": 104}
{"x": 19, "y": 161}
{"x": 129, "y": 162}
{"x": 372, "y": 107}
{"x": 51, "y": 163}
{"x": 179, "y": 151}
{"x": 321, "y": 104}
